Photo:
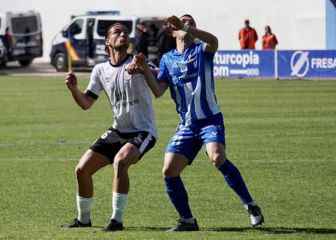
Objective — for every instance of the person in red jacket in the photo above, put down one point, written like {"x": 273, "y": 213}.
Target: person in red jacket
{"x": 269, "y": 40}
{"x": 247, "y": 36}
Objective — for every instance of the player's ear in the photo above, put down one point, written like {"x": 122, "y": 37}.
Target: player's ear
{"x": 107, "y": 46}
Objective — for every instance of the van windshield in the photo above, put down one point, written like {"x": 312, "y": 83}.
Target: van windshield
{"x": 24, "y": 25}
{"x": 103, "y": 25}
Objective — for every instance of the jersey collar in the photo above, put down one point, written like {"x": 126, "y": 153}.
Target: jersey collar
{"x": 121, "y": 63}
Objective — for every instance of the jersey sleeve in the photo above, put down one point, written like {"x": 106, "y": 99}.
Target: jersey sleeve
{"x": 94, "y": 87}
{"x": 163, "y": 74}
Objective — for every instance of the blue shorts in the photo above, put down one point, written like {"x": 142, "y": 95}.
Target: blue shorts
{"x": 188, "y": 140}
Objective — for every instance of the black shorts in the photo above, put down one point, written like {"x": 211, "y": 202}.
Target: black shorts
{"x": 112, "y": 141}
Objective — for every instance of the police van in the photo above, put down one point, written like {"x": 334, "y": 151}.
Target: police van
{"x": 3, "y": 52}
{"x": 21, "y": 37}
{"x": 85, "y": 34}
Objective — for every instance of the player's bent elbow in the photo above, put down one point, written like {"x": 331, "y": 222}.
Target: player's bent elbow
{"x": 85, "y": 107}
{"x": 158, "y": 94}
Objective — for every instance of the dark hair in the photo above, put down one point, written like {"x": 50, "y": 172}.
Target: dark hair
{"x": 189, "y": 16}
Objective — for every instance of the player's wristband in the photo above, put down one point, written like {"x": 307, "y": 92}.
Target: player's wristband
{"x": 185, "y": 28}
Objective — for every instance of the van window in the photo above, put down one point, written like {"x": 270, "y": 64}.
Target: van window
{"x": 76, "y": 27}
{"x": 103, "y": 26}
{"x": 24, "y": 25}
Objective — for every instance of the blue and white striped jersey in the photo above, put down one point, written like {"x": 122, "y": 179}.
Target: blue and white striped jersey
{"x": 190, "y": 79}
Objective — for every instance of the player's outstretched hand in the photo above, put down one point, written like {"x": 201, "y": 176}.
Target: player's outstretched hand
{"x": 175, "y": 23}
{"x": 71, "y": 80}
{"x": 139, "y": 60}
{"x": 137, "y": 65}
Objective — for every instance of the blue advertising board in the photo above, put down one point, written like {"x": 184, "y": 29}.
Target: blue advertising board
{"x": 244, "y": 64}
{"x": 306, "y": 64}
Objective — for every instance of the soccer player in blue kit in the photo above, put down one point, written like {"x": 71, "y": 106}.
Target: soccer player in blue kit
{"x": 188, "y": 72}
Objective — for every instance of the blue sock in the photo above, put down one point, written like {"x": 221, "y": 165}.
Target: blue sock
{"x": 178, "y": 196}
{"x": 235, "y": 181}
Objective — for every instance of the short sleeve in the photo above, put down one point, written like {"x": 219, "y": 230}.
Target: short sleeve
{"x": 94, "y": 87}
{"x": 163, "y": 71}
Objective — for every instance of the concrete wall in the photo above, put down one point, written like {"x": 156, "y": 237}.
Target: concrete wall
{"x": 297, "y": 23}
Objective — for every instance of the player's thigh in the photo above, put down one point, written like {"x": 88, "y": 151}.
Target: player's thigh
{"x": 216, "y": 152}
{"x": 185, "y": 142}
{"x": 91, "y": 162}
{"x": 127, "y": 155}
{"x": 137, "y": 145}
{"x": 213, "y": 136}
{"x": 174, "y": 163}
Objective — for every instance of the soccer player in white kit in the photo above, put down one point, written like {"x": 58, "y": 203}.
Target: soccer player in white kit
{"x": 133, "y": 132}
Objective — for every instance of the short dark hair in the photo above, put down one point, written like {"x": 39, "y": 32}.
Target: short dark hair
{"x": 189, "y": 16}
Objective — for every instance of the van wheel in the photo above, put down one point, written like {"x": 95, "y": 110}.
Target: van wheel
{"x": 25, "y": 63}
{"x": 3, "y": 64}
{"x": 60, "y": 61}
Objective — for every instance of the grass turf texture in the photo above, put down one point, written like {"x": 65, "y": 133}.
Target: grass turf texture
{"x": 281, "y": 134}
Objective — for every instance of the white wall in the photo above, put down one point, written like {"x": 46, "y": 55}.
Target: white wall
{"x": 297, "y": 23}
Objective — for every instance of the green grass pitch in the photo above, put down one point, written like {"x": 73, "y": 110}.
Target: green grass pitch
{"x": 281, "y": 135}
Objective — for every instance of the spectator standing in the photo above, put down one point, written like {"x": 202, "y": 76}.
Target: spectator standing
{"x": 141, "y": 39}
{"x": 247, "y": 36}
{"x": 8, "y": 41}
{"x": 269, "y": 40}
{"x": 165, "y": 40}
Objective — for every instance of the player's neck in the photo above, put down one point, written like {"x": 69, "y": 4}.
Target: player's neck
{"x": 116, "y": 57}
{"x": 183, "y": 44}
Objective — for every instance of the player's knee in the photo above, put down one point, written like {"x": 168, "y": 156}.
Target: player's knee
{"x": 80, "y": 171}
{"x": 121, "y": 164}
{"x": 168, "y": 171}
{"x": 217, "y": 159}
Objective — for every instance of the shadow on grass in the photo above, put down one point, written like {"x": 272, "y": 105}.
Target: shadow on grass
{"x": 276, "y": 230}
{"x": 267, "y": 230}
{"x": 141, "y": 229}
{"x": 152, "y": 229}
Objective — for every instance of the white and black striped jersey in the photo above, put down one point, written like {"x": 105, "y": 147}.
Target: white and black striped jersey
{"x": 129, "y": 95}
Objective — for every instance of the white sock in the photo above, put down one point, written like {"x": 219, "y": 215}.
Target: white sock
{"x": 119, "y": 202}
{"x": 84, "y": 208}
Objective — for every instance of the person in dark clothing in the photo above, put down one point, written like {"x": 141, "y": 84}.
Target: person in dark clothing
{"x": 141, "y": 39}
{"x": 8, "y": 41}
{"x": 165, "y": 40}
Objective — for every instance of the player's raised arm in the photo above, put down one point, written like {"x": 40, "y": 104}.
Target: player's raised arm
{"x": 187, "y": 23}
{"x": 83, "y": 100}
{"x": 139, "y": 64}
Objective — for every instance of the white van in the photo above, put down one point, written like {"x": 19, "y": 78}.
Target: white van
{"x": 86, "y": 34}
{"x": 21, "y": 35}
